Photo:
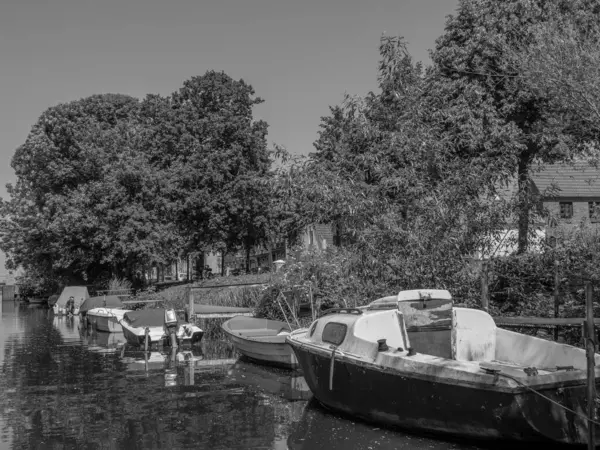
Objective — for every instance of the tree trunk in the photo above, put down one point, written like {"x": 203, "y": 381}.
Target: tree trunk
{"x": 223, "y": 263}
{"x": 524, "y": 204}
{"x": 247, "y": 259}
{"x": 270, "y": 248}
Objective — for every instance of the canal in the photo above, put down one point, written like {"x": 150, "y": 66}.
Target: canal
{"x": 64, "y": 388}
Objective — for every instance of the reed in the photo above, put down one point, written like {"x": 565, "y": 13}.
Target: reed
{"x": 243, "y": 297}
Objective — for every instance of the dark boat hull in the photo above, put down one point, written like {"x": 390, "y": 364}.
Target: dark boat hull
{"x": 383, "y": 396}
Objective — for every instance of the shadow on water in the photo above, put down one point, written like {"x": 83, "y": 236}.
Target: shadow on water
{"x": 64, "y": 387}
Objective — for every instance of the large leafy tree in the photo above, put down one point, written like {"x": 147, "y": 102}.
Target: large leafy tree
{"x": 386, "y": 169}
{"x": 85, "y": 200}
{"x": 561, "y": 62}
{"x": 214, "y": 155}
{"x": 471, "y": 60}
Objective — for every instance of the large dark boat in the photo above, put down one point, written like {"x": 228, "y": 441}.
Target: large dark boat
{"x": 427, "y": 365}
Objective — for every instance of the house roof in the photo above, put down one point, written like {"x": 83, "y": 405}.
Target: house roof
{"x": 579, "y": 179}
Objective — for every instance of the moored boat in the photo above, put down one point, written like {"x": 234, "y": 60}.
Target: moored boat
{"x": 261, "y": 340}
{"x": 103, "y": 313}
{"x": 106, "y": 319}
{"x": 429, "y": 366}
{"x": 78, "y": 294}
{"x": 136, "y": 324}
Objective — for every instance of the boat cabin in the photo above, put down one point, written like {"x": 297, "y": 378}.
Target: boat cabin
{"x": 425, "y": 322}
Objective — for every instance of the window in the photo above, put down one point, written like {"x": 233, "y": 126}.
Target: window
{"x": 594, "y": 211}
{"x": 334, "y": 333}
{"x": 566, "y": 210}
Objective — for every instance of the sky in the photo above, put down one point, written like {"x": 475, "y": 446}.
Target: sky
{"x": 300, "y": 56}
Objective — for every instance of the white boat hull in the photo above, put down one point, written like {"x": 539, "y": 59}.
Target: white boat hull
{"x": 136, "y": 336}
{"x": 277, "y": 354}
{"x": 106, "y": 319}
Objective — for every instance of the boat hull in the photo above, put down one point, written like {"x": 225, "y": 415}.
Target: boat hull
{"x": 106, "y": 319}
{"x": 269, "y": 353}
{"x": 106, "y": 324}
{"x": 381, "y": 395}
{"x": 136, "y": 336}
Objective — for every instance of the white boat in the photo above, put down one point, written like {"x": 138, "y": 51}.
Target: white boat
{"x": 261, "y": 340}
{"x": 103, "y": 313}
{"x": 79, "y": 294}
{"x": 136, "y": 324}
{"x": 106, "y": 319}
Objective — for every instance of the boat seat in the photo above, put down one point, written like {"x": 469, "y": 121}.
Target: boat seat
{"x": 473, "y": 335}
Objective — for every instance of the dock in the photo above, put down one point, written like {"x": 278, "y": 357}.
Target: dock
{"x": 218, "y": 312}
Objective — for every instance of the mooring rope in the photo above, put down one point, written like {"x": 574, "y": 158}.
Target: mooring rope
{"x": 583, "y": 416}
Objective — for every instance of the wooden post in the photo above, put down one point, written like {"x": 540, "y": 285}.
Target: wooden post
{"x": 556, "y": 297}
{"x": 190, "y": 372}
{"x": 312, "y": 306}
{"x": 191, "y": 303}
{"x": 590, "y": 347}
{"x": 173, "y": 341}
{"x": 146, "y": 339}
{"x": 485, "y": 301}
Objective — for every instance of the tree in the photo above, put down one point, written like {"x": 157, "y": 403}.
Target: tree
{"x": 389, "y": 169}
{"x": 470, "y": 59}
{"x": 561, "y": 62}
{"x": 214, "y": 158}
{"x": 86, "y": 198}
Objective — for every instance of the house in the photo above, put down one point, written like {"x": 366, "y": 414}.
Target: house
{"x": 317, "y": 237}
{"x": 571, "y": 194}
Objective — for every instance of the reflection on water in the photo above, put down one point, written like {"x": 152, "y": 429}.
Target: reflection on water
{"x": 321, "y": 429}
{"x": 64, "y": 387}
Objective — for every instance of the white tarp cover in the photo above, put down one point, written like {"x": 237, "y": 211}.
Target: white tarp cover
{"x": 79, "y": 293}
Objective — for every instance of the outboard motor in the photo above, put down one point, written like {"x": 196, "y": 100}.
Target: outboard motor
{"x": 171, "y": 326}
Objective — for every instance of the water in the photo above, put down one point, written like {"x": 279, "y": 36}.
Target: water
{"x": 64, "y": 389}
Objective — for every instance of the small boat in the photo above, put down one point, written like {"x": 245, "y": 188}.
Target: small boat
{"x": 79, "y": 294}
{"x": 429, "y": 366}
{"x": 103, "y": 313}
{"x": 136, "y": 324}
{"x": 107, "y": 320}
{"x": 261, "y": 340}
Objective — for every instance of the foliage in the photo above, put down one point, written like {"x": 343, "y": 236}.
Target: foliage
{"x": 85, "y": 200}
{"x": 561, "y": 62}
{"x": 392, "y": 178}
{"x": 215, "y": 157}
{"x": 35, "y": 284}
{"x": 108, "y": 185}
{"x": 119, "y": 284}
{"x": 470, "y": 59}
